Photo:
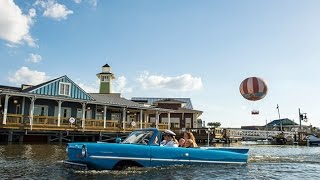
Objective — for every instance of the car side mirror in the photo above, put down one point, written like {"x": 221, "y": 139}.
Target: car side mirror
{"x": 118, "y": 140}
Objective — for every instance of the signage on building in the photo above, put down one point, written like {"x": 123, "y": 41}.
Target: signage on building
{"x": 72, "y": 120}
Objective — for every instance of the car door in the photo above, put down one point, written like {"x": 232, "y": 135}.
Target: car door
{"x": 163, "y": 155}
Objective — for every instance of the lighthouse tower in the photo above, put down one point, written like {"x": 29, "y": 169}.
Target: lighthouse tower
{"x": 106, "y": 78}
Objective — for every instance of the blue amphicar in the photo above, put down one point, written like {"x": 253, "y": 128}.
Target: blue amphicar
{"x": 142, "y": 148}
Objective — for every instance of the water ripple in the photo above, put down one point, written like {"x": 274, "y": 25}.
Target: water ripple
{"x": 265, "y": 162}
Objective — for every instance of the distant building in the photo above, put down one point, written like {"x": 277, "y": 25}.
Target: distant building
{"x": 183, "y": 117}
{"x": 287, "y": 125}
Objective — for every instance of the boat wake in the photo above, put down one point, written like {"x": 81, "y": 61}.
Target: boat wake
{"x": 281, "y": 159}
{"x": 127, "y": 172}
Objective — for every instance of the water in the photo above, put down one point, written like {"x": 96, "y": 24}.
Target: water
{"x": 44, "y": 161}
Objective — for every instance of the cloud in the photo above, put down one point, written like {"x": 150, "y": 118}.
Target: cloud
{"x": 26, "y": 76}
{"x": 15, "y": 26}
{"x": 183, "y": 82}
{"x": 34, "y": 58}
{"x": 94, "y": 3}
{"x": 54, "y": 10}
{"x": 89, "y": 88}
{"x": 120, "y": 85}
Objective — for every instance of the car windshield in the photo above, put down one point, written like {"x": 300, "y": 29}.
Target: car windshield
{"x": 138, "y": 137}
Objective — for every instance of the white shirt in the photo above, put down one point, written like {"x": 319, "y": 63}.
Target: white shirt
{"x": 171, "y": 144}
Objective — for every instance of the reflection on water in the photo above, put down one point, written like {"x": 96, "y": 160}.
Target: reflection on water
{"x": 44, "y": 161}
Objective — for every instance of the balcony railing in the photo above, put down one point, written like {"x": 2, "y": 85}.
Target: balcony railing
{"x": 51, "y": 122}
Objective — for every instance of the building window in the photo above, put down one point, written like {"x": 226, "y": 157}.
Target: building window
{"x": 188, "y": 122}
{"x": 116, "y": 116}
{"x": 175, "y": 125}
{"x": 79, "y": 113}
{"x": 65, "y": 112}
{"x": 64, "y": 89}
{"x": 104, "y": 78}
{"x": 88, "y": 114}
{"x": 40, "y": 110}
{"x": 99, "y": 113}
{"x": 18, "y": 109}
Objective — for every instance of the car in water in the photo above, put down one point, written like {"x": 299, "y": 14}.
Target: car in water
{"x": 142, "y": 148}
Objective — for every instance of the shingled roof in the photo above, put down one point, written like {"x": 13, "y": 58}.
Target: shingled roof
{"x": 114, "y": 99}
{"x": 284, "y": 122}
{"x": 10, "y": 88}
{"x": 151, "y": 101}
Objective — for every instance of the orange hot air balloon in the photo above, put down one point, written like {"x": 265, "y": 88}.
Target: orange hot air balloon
{"x": 253, "y": 88}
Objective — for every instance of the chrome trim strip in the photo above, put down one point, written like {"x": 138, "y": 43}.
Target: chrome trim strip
{"x": 116, "y": 157}
{"x": 166, "y": 160}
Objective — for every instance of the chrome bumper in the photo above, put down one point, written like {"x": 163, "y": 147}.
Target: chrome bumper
{"x": 73, "y": 165}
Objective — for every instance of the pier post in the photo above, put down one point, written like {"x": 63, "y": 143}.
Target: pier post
{"x": 72, "y": 138}
{"x": 21, "y": 138}
{"x": 10, "y": 135}
{"x": 49, "y": 139}
{"x": 60, "y": 137}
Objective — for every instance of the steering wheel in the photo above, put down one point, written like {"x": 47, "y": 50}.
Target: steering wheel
{"x": 145, "y": 141}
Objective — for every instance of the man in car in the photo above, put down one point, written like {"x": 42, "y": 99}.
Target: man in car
{"x": 169, "y": 139}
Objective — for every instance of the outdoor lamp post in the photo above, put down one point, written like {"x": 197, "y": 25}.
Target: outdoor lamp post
{"x": 279, "y": 117}
{"x": 302, "y": 117}
{"x": 209, "y": 131}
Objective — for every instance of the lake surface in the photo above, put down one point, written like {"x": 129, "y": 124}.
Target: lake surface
{"x": 44, "y": 161}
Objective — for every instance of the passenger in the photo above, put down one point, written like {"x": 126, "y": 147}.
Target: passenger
{"x": 189, "y": 143}
{"x": 189, "y": 135}
{"x": 170, "y": 139}
{"x": 156, "y": 140}
{"x": 163, "y": 142}
{"x": 181, "y": 142}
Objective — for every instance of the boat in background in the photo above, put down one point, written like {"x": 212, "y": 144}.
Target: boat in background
{"x": 313, "y": 140}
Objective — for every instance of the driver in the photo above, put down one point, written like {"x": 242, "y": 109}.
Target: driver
{"x": 169, "y": 139}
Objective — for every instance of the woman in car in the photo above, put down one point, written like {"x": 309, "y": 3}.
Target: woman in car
{"x": 189, "y": 135}
{"x": 189, "y": 144}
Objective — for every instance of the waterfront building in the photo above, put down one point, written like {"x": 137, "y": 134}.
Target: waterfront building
{"x": 183, "y": 116}
{"x": 60, "y": 106}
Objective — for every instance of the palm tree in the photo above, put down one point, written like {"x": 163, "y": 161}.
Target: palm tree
{"x": 214, "y": 124}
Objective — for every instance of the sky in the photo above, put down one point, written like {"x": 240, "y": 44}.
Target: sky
{"x": 197, "y": 49}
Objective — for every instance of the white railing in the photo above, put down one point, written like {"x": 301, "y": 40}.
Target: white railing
{"x": 257, "y": 133}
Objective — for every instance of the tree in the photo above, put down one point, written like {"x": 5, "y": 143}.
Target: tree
{"x": 214, "y": 124}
